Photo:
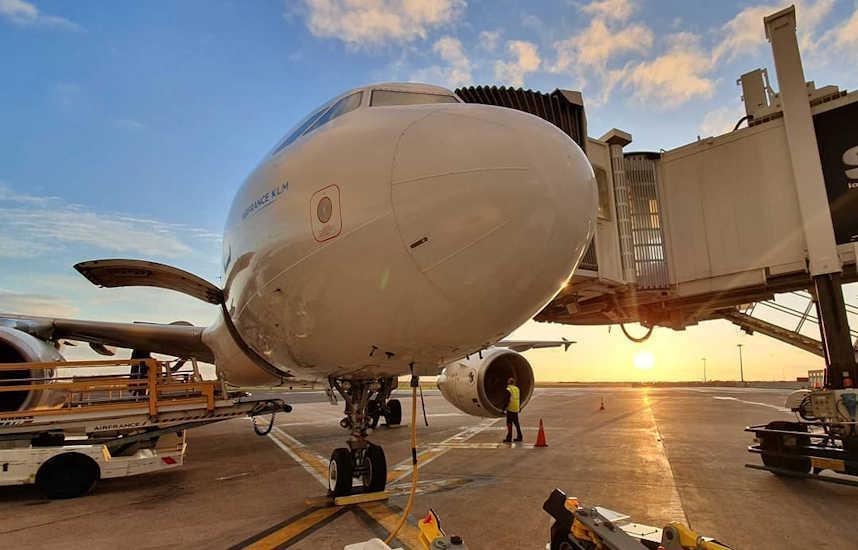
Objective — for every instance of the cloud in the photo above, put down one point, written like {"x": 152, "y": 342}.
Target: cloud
{"x": 745, "y": 33}
{"x": 676, "y": 76}
{"x": 525, "y": 60}
{"x": 24, "y": 13}
{"x": 128, "y": 124}
{"x": 489, "y": 40}
{"x": 719, "y": 121}
{"x": 33, "y": 226}
{"x": 361, "y": 23}
{"x": 36, "y": 304}
{"x": 610, "y": 9}
{"x": 456, "y": 71}
{"x": 844, "y": 38}
{"x": 598, "y": 44}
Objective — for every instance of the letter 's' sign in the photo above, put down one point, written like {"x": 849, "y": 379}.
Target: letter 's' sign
{"x": 850, "y": 159}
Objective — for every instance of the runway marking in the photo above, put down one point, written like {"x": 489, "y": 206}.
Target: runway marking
{"x": 309, "y": 460}
{"x": 676, "y": 509}
{"x": 296, "y": 527}
{"x": 769, "y": 405}
{"x": 387, "y": 517}
{"x": 435, "y": 450}
{"x": 384, "y": 515}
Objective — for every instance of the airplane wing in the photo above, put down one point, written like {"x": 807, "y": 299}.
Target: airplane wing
{"x": 524, "y": 345}
{"x": 179, "y": 340}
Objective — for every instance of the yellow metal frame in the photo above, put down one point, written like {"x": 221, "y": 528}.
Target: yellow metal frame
{"x": 160, "y": 385}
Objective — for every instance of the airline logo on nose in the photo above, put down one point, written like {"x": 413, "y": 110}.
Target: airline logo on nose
{"x": 265, "y": 199}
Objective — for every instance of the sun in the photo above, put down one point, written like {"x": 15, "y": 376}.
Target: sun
{"x": 644, "y": 360}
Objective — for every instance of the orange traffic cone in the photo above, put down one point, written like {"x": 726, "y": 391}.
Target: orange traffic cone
{"x": 540, "y": 436}
{"x": 602, "y": 406}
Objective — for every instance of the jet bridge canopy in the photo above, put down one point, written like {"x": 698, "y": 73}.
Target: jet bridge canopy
{"x": 689, "y": 234}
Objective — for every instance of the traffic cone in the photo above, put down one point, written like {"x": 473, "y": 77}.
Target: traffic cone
{"x": 602, "y": 406}
{"x": 540, "y": 436}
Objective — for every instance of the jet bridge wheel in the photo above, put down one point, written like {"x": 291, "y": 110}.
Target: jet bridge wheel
{"x": 68, "y": 475}
{"x": 340, "y": 472}
{"x": 785, "y": 444}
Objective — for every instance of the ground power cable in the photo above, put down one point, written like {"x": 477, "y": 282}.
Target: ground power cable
{"x": 415, "y": 383}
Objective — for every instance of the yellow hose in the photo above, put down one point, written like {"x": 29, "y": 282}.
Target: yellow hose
{"x": 414, "y": 476}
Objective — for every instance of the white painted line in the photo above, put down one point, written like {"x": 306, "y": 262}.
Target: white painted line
{"x": 464, "y": 435}
{"x": 677, "y": 511}
{"x": 769, "y": 405}
{"x": 312, "y": 471}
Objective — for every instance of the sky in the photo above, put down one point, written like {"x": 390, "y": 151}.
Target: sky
{"x": 125, "y": 128}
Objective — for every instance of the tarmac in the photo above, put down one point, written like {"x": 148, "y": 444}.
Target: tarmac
{"x": 656, "y": 454}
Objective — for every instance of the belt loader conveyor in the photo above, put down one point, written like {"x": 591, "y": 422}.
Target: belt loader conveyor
{"x": 109, "y": 425}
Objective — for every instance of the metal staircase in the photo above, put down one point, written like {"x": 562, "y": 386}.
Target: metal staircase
{"x": 744, "y": 318}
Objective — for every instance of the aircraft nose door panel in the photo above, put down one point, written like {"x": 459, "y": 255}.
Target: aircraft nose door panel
{"x": 491, "y": 203}
{"x": 451, "y": 189}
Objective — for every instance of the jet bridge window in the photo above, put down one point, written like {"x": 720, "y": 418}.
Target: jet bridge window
{"x": 320, "y": 116}
{"x": 384, "y": 98}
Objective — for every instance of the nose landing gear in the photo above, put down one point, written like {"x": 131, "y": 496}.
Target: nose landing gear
{"x": 365, "y": 402}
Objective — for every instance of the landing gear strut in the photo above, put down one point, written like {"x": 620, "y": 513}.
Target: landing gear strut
{"x": 365, "y": 402}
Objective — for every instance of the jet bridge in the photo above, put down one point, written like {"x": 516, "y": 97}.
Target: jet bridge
{"x": 700, "y": 231}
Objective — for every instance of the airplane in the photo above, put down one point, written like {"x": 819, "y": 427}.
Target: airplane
{"x": 395, "y": 230}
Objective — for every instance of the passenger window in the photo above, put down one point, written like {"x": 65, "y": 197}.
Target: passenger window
{"x": 341, "y": 107}
{"x": 383, "y": 98}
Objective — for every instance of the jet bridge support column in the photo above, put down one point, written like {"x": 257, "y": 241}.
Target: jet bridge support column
{"x": 825, "y": 265}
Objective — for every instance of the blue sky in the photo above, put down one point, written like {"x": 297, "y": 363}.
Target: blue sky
{"x": 125, "y": 127}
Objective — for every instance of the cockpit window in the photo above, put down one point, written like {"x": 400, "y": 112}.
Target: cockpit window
{"x": 341, "y": 107}
{"x": 320, "y": 116}
{"x": 382, "y": 98}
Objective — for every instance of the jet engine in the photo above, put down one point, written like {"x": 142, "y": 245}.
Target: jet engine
{"x": 20, "y": 347}
{"x": 477, "y": 385}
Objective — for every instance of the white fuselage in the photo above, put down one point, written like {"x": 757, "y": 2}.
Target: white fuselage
{"x": 404, "y": 234}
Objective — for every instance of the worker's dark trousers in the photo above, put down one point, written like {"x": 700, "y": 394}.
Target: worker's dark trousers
{"x": 512, "y": 418}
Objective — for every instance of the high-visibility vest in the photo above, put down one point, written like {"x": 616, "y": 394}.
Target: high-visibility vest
{"x": 514, "y": 399}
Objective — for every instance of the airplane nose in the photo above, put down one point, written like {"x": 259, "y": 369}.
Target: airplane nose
{"x": 492, "y": 202}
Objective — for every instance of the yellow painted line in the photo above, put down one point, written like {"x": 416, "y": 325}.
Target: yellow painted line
{"x": 309, "y": 460}
{"x": 294, "y": 529}
{"x": 408, "y": 536}
{"x": 435, "y": 450}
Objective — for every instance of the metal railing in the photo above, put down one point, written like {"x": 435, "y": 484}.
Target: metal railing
{"x": 150, "y": 383}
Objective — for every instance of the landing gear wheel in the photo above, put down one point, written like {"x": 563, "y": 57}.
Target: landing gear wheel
{"x": 67, "y": 475}
{"x": 375, "y": 475}
{"x": 785, "y": 444}
{"x": 394, "y": 413}
{"x": 340, "y": 470}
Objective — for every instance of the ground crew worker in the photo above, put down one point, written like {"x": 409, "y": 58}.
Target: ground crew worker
{"x": 513, "y": 406}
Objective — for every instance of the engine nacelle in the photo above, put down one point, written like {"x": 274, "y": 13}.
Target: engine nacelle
{"x": 477, "y": 386}
{"x": 20, "y": 347}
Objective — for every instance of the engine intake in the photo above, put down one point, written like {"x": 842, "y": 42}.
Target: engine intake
{"x": 477, "y": 386}
{"x": 20, "y": 347}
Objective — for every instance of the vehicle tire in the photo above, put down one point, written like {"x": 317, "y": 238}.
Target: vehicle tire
{"x": 68, "y": 475}
{"x": 340, "y": 472}
{"x": 394, "y": 413}
{"x": 785, "y": 444}
{"x": 375, "y": 477}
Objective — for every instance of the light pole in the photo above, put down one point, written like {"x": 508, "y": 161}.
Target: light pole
{"x": 704, "y": 370}
{"x": 741, "y": 369}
